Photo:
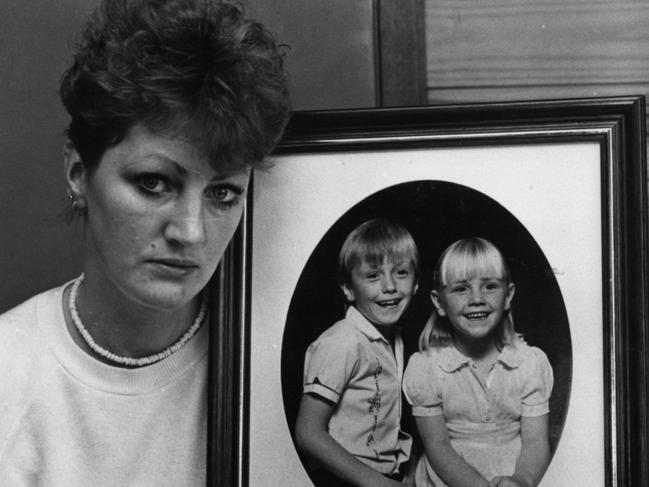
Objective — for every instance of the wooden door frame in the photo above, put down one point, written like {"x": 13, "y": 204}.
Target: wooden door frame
{"x": 400, "y": 51}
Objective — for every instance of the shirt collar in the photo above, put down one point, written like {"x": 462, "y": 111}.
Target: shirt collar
{"x": 364, "y": 326}
{"x": 510, "y": 356}
{"x": 451, "y": 359}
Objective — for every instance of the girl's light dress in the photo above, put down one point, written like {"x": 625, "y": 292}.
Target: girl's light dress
{"x": 482, "y": 417}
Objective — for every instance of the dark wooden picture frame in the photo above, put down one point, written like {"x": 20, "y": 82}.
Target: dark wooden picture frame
{"x": 616, "y": 128}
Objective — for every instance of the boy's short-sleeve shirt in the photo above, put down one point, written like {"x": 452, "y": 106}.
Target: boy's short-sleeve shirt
{"x": 353, "y": 365}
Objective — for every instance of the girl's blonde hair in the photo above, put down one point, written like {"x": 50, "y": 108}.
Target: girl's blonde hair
{"x": 462, "y": 260}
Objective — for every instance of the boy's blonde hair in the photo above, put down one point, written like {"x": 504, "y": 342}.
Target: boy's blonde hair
{"x": 372, "y": 242}
{"x": 460, "y": 261}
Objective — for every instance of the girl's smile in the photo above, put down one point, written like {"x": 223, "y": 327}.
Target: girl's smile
{"x": 476, "y": 316}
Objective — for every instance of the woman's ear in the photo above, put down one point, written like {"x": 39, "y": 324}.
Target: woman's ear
{"x": 348, "y": 292}
{"x": 76, "y": 176}
{"x": 437, "y": 302}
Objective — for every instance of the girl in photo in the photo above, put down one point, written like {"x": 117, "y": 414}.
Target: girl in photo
{"x": 479, "y": 393}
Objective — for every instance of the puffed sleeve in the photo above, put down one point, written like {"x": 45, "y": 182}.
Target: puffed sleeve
{"x": 420, "y": 386}
{"x": 328, "y": 365}
{"x": 537, "y": 382}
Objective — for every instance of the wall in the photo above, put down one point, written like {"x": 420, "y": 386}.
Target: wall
{"x": 38, "y": 249}
{"x": 331, "y": 50}
{"x": 497, "y": 50}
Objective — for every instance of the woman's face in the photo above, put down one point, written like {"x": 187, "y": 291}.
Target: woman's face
{"x": 159, "y": 218}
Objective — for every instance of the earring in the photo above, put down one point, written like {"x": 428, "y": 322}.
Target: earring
{"x": 78, "y": 206}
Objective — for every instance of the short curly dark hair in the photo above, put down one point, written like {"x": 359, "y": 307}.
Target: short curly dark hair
{"x": 196, "y": 68}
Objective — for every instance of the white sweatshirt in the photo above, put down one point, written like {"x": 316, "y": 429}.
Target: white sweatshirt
{"x": 69, "y": 420}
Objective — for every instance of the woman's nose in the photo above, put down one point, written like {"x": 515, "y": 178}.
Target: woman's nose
{"x": 186, "y": 224}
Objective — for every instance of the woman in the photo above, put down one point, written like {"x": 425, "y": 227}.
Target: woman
{"x": 172, "y": 103}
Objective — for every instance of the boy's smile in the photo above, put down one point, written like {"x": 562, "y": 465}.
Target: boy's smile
{"x": 381, "y": 293}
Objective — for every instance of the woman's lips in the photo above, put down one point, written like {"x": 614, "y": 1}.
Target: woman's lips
{"x": 174, "y": 267}
{"x": 176, "y": 262}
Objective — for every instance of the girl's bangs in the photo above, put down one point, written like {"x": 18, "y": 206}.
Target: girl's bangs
{"x": 462, "y": 266}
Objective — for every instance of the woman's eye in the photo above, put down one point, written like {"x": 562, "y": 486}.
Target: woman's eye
{"x": 225, "y": 195}
{"x": 153, "y": 184}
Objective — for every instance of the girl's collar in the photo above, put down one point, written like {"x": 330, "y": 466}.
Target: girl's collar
{"x": 452, "y": 360}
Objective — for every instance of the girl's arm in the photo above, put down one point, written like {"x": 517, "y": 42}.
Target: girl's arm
{"x": 535, "y": 454}
{"x": 441, "y": 455}
{"x": 313, "y": 438}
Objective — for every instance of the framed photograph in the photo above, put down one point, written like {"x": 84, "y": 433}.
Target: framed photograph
{"x": 558, "y": 186}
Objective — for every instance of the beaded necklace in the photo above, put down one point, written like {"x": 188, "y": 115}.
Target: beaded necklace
{"x": 131, "y": 361}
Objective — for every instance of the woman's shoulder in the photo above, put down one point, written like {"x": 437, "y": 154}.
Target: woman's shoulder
{"x": 19, "y": 326}
{"x": 17, "y": 318}
{"x": 21, "y": 350}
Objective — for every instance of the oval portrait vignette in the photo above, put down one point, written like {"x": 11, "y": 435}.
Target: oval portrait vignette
{"x": 436, "y": 214}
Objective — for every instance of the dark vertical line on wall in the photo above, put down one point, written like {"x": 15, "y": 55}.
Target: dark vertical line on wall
{"x": 608, "y": 330}
{"x": 376, "y": 20}
{"x": 224, "y": 413}
{"x": 401, "y": 52}
{"x": 634, "y": 181}
{"x": 218, "y": 411}
{"x": 245, "y": 290}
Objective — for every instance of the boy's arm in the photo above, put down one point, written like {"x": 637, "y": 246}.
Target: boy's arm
{"x": 313, "y": 438}
{"x": 441, "y": 455}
